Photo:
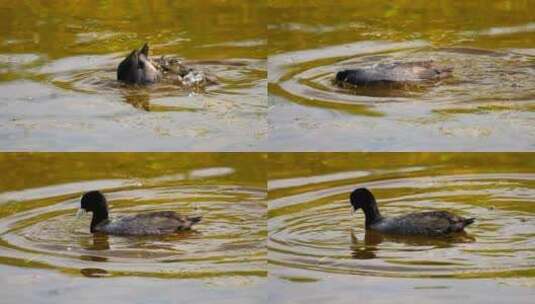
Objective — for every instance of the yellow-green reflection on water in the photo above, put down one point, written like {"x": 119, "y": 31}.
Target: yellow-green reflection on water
{"x": 60, "y": 28}
{"x": 318, "y": 248}
{"x": 311, "y": 24}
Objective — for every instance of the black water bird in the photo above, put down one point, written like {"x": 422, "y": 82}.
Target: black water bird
{"x": 150, "y": 223}
{"x": 392, "y": 73}
{"x": 433, "y": 223}
{"x": 137, "y": 68}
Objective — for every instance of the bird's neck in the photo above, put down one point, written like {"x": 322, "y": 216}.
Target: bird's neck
{"x": 372, "y": 214}
{"x": 99, "y": 215}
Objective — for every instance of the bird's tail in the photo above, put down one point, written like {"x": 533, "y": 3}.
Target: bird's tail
{"x": 469, "y": 221}
{"x": 194, "y": 219}
{"x": 188, "y": 221}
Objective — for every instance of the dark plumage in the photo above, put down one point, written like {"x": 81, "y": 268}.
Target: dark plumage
{"x": 136, "y": 68}
{"x": 433, "y": 223}
{"x": 397, "y": 72}
{"x": 151, "y": 223}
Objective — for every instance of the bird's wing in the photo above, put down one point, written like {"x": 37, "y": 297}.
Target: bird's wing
{"x": 153, "y": 222}
{"x": 431, "y": 223}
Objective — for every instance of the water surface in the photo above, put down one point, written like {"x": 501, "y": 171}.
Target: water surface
{"x": 486, "y": 105}
{"x": 57, "y": 76}
{"x": 44, "y": 249}
{"x": 320, "y": 252}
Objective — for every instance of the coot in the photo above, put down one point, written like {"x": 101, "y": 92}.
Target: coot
{"x": 150, "y": 223}
{"x": 391, "y": 73}
{"x": 137, "y": 68}
{"x": 433, "y": 223}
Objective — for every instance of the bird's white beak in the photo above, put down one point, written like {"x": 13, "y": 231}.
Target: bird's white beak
{"x": 81, "y": 212}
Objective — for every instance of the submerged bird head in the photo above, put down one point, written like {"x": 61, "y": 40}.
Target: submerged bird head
{"x": 362, "y": 198}
{"x": 136, "y": 68}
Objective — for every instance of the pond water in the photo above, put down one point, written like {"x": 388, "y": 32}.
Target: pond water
{"x": 320, "y": 252}
{"x": 58, "y": 87}
{"x": 301, "y": 231}
{"x": 46, "y": 251}
{"x": 487, "y": 104}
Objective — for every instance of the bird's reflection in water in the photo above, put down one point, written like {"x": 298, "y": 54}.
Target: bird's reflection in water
{"x": 139, "y": 100}
{"x": 366, "y": 250}
{"x": 94, "y": 272}
{"x": 369, "y": 247}
{"x": 100, "y": 241}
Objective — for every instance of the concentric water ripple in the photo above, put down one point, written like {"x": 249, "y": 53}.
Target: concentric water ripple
{"x": 97, "y": 75}
{"x": 479, "y": 75}
{"x": 230, "y": 240}
{"x": 311, "y": 227}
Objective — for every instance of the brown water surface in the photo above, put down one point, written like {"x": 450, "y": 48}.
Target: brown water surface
{"x": 318, "y": 251}
{"x": 487, "y": 104}
{"x": 45, "y": 250}
{"x": 58, "y": 88}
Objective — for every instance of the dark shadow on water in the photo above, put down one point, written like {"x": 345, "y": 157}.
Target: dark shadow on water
{"x": 364, "y": 251}
{"x": 139, "y": 101}
{"x": 94, "y": 272}
{"x": 100, "y": 242}
{"x": 141, "y": 98}
{"x": 148, "y": 245}
{"x": 369, "y": 247}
